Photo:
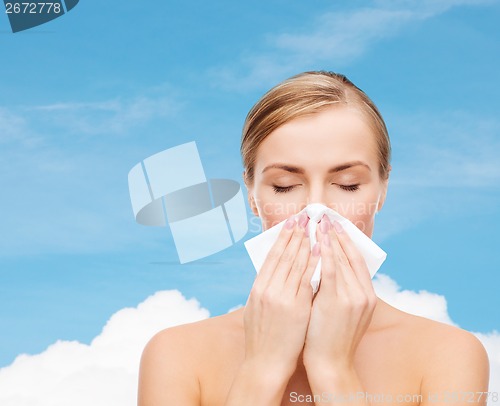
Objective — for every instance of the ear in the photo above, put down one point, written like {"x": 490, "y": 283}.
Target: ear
{"x": 251, "y": 198}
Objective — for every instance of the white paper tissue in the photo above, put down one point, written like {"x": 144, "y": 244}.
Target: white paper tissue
{"x": 259, "y": 246}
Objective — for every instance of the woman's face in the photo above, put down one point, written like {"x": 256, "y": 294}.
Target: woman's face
{"x": 328, "y": 157}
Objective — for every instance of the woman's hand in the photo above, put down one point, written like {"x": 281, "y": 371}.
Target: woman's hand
{"x": 343, "y": 307}
{"x": 277, "y": 312}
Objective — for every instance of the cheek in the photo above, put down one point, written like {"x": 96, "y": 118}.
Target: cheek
{"x": 364, "y": 221}
{"x": 360, "y": 211}
{"x": 272, "y": 212}
{"x": 274, "y": 208}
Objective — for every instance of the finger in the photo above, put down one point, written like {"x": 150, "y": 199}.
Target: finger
{"x": 357, "y": 261}
{"x": 289, "y": 255}
{"x": 274, "y": 254}
{"x": 347, "y": 285}
{"x": 351, "y": 287}
{"x": 299, "y": 264}
{"x": 329, "y": 274}
{"x": 305, "y": 287}
{"x": 344, "y": 269}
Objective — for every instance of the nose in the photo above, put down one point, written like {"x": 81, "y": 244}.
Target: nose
{"x": 317, "y": 194}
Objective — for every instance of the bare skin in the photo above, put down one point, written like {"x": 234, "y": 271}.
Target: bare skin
{"x": 195, "y": 364}
{"x": 286, "y": 344}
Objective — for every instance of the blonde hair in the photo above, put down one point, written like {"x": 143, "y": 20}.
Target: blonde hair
{"x": 304, "y": 94}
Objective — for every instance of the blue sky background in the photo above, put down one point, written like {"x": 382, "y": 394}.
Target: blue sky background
{"x": 88, "y": 95}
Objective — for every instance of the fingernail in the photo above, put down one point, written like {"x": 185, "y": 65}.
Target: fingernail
{"x": 326, "y": 240}
{"x": 316, "y": 249}
{"x": 324, "y": 225}
{"x": 290, "y": 223}
{"x": 303, "y": 219}
{"x": 338, "y": 227}
{"x": 307, "y": 232}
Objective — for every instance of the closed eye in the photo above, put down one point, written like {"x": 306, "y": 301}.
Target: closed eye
{"x": 282, "y": 189}
{"x": 349, "y": 188}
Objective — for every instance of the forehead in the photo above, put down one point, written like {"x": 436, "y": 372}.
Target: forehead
{"x": 333, "y": 135}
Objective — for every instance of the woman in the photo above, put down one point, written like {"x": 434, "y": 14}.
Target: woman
{"x": 315, "y": 138}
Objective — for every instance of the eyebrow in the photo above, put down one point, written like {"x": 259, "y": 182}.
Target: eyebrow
{"x": 299, "y": 170}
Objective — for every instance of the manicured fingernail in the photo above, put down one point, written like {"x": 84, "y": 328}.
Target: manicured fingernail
{"x": 307, "y": 232}
{"x": 316, "y": 249}
{"x": 290, "y": 223}
{"x": 326, "y": 240}
{"x": 303, "y": 219}
{"x": 324, "y": 225}
{"x": 338, "y": 227}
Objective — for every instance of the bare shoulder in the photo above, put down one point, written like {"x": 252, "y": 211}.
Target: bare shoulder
{"x": 173, "y": 360}
{"x": 452, "y": 360}
{"x": 450, "y": 348}
{"x": 442, "y": 341}
{"x": 191, "y": 339}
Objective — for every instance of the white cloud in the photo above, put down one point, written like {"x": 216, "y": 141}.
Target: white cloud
{"x": 422, "y": 303}
{"x": 449, "y": 149}
{"x": 103, "y": 373}
{"x": 491, "y": 342}
{"x": 232, "y": 309}
{"x": 337, "y": 37}
{"x": 115, "y": 116}
{"x": 15, "y": 129}
{"x": 343, "y": 36}
{"x": 431, "y": 7}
